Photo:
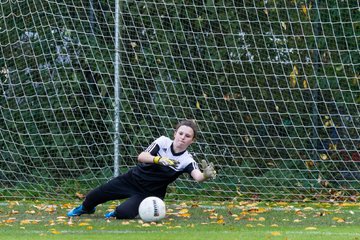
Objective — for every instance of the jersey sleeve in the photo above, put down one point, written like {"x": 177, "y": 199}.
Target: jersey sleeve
{"x": 190, "y": 167}
{"x": 154, "y": 147}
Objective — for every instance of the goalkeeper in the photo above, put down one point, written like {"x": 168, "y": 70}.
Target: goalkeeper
{"x": 159, "y": 165}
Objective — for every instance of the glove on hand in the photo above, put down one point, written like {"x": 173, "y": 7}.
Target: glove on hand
{"x": 208, "y": 170}
{"x": 165, "y": 161}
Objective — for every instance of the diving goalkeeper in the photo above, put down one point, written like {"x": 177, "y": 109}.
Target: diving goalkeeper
{"x": 159, "y": 165}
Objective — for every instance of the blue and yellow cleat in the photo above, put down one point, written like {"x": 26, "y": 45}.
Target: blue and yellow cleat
{"x": 110, "y": 214}
{"x": 79, "y": 211}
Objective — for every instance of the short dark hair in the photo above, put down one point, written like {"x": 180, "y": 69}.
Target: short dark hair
{"x": 188, "y": 123}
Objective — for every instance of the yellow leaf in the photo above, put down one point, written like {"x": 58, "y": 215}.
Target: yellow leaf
{"x": 185, "y": 215}
{"x": 50, "y": 208}
{"x": 198, "y": 105}
{"x": 54, "y": 231}
{"x": 339, "y": 220}
{"x": 329, "y": 123}
{"x": 275, "y": 233}
{"x": 283, "y": 25}
{"x": 323, "y": 156}
{"x": 28, "y": 221}
{"x": 293, "y": 75}
{"x": 83, "y": 224}
{"x": 182, "y": 211}
{"x": 332, "y": 146}
{"x": 304, "y": 9}
{"x": 230, "y": 206}
{"x": 305, "y": 84}
{"x": 310, "y": 228}
{"x": 257, "y": 210}
{"x": 220, "y": 221}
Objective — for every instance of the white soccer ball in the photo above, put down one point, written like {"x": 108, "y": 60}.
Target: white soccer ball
{"x": 152, "y": 209}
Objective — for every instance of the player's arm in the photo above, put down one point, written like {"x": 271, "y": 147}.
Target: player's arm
{"x": 148, "y": 157}
{"x": 207, "y": 173}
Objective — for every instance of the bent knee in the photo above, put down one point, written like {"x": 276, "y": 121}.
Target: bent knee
{"x": 125, "y": 214}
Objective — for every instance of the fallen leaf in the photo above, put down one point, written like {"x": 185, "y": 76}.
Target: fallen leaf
{"x": 10, "y": 220}
{"x": 83, "y": 224}
{"x": 54, "y": 231}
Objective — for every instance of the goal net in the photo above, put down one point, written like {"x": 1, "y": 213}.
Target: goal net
{"x": 273, "y": 85}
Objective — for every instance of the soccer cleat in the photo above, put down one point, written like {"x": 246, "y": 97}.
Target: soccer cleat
{"x": 110, "y": 214}
{"x": 79, "y": 211}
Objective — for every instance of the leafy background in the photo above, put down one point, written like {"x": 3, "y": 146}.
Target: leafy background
{"x": 273, "y": 85}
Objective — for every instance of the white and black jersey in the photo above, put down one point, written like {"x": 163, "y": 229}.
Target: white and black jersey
{"x": 154, "y": 178}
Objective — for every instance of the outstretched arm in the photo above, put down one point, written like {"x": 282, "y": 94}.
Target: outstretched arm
{"x": 145, "y": 157}
{"x": 208, "y": 172}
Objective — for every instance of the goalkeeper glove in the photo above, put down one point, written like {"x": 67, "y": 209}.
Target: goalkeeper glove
{"x": 165, "y": 161}
{"x": 208, "y": 170}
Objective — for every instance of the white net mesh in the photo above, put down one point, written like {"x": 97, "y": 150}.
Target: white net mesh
{"x": 273, "y": 85}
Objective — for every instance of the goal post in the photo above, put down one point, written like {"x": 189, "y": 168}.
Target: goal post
{"x": 273, "y": 85}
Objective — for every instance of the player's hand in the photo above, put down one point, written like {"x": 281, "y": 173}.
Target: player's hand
{"x": 165, "y": 161}
{"x": 208, "y": 170}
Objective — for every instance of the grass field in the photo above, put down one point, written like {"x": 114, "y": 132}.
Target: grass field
{"x": 186, "y": 221}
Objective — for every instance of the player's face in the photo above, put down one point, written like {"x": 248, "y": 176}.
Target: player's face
{"x": 183, "y": 137}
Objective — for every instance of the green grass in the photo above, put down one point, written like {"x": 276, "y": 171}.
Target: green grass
{"x": 186, "y": 221}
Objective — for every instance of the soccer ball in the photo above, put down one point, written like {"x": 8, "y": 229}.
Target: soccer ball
{"x": 152, "y": 209}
